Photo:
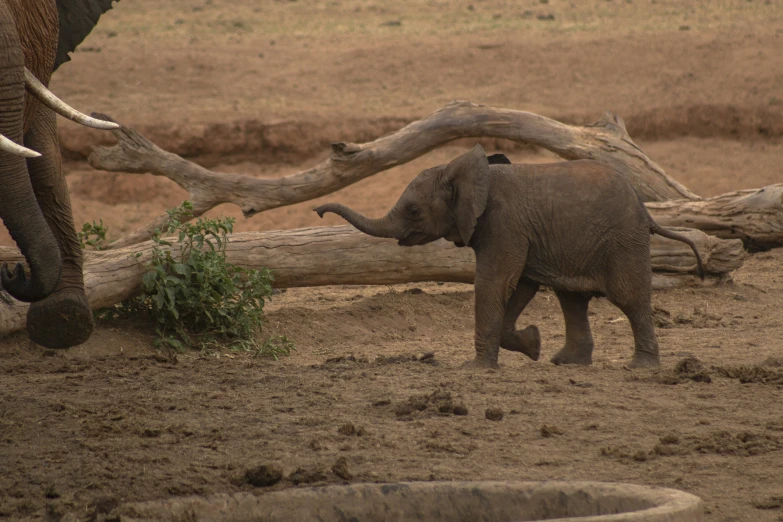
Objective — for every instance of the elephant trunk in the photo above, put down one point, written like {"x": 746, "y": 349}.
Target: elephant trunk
{"x": 19, "y": 208}
{"x": 386, "y": 226}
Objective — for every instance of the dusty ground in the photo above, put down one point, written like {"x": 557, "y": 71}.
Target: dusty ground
{"x": 263, "y": 90}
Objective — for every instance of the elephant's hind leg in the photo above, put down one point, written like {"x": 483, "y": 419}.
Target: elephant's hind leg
{"x": 632, "y": 295}
{"x": 645, "y": 354}
{"x": 63, "y": 319}
{"x": 578, "y": 347}
{"x": 528, "y": 340}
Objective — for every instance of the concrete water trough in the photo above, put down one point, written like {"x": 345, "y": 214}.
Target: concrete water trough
{"x": 433, "y": 502}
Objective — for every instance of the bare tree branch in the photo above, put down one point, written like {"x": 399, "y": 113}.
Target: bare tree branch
{"x": 606, "y": 141}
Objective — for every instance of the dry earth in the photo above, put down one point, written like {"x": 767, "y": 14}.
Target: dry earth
{"x": 262, "y": 88}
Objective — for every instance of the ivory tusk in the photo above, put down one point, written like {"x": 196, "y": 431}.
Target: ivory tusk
{"x": 16, "y": 149}
{"x": 38, "y": 90}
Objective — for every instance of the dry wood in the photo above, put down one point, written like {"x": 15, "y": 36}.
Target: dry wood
{"x": 755, "y": 216}
{"x": 606, "y": 141}
{"x": 344, "y": 256}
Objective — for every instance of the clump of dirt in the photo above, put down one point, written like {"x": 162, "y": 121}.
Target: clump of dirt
{"x": 774, "y": 362}
{"x": 343, "y": 359}
{"x": 349, "y": 430}
{"x": 773, "y": 502}
{"x": 662, "y": 318}
{"x": 687, "y": 369}
{"x": 670, "y": 439}
{"x": 669, "y": 446}
{"x": 626, "y": 454}
{"x": 743, "y": 444}
{"x": 692, "y": 368}
{"x": 307, "y": 475}
{"x": 426, "y": 358}
{"x": 264, "y": 475}
{"x": 340, "y": 468}
{"x": 550, "y": 430}
{"x": 775, "y": 425}
{"x": 700, "y": 318}
{"x": 438, "y": 402}
{"x": 751, "y": 374}
{"x": 494, "y": 414}
{"x": 422, "y": 357}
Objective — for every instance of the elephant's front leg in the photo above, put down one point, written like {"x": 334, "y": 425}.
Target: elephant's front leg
{"x": 63, "y": 319}
{"x": 496, "y": 279}
{"x": 578, "y": 347}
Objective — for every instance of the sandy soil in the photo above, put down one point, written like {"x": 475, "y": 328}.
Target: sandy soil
{"x": 263, "y": 90}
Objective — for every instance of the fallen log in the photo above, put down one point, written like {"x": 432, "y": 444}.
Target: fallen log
{"x": 755, "y": 216}
{"x": 344, "y": 256}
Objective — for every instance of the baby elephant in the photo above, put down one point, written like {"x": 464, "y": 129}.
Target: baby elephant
{"x": 577, "y": 227}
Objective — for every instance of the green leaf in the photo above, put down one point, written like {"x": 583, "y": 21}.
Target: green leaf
{"x": 149, "y": 280}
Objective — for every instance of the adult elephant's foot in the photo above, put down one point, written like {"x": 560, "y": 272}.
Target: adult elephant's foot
{"x": 645, "y": 361}
{"x": 480, "y": 364}
{"x": 527, "y": 341}
{"x": 62, "y": 320}
{"x": 574, "y": 354}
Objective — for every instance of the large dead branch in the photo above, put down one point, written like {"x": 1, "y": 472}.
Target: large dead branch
{"x": 755, "y": 216}
{"x": 344, "y": 256}
{"x": 606, "y": 141}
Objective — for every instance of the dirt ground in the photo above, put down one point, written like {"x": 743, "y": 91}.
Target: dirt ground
{"x": 374, "y": 391}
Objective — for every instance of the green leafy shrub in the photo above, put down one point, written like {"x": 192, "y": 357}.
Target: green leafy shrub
{"x": 196, "y": 297}
{"x": 93, "y": 235}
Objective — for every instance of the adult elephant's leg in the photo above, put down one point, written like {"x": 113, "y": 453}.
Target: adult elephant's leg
{"x": 495, "y": 283}
{"x": 63, "y": 319}
{"x": 528, "y": 340}
{"x": 18, "y": 206}
{"x": 578, "y": 347}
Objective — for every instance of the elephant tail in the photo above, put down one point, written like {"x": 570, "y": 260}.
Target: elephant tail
{"x": 655, "y": 228}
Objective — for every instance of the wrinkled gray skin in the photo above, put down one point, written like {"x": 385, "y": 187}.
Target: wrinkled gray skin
{"x": 577, "y": 227}
{"x": 34, "y": 203}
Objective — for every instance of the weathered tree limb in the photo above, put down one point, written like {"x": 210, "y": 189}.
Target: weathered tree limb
{"x": 606, "y": 141}
{"x": 755, "y": 216}
{"x": 344, "y": 256}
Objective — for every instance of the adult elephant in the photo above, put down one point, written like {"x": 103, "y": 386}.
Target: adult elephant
{"x": 35, "y": 39}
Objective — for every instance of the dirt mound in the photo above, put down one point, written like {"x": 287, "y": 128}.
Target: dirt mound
{"x": 749, "y": 374}
{"x": 699, "y": 318}
{"x": 438, "y": 402}
{"x": 741, "y": 444}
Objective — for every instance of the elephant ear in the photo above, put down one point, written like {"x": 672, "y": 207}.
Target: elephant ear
{"x": 498, "y": 159}
{"x": 468, "y": 177}
{"x": 76, "y": 19}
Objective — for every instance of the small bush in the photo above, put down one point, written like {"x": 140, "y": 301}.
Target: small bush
{"x": 196, "y": 297}
{"x": 93, "y": 235}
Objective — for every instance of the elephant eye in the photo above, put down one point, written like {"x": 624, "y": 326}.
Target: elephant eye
{"x": 413, "y": 211}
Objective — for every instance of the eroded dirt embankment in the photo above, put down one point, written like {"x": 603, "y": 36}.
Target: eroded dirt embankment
{"x": 297, "y": 141}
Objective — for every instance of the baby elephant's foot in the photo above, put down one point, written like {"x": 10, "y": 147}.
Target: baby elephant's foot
{"x": 527, "y": 341}
{"x": 645, "y": 361}
{"x": 574, "y": 355}
{"x": 480, "y": 364}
